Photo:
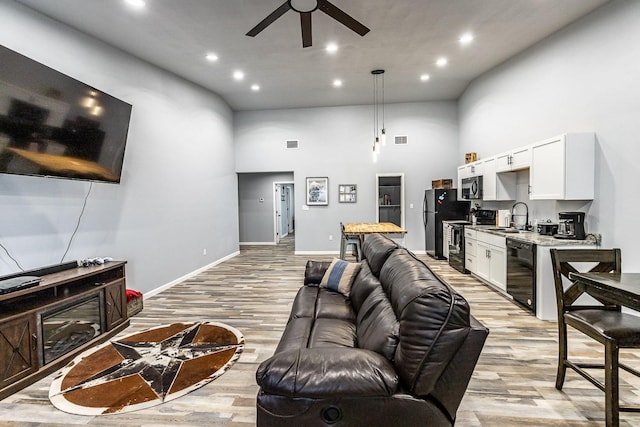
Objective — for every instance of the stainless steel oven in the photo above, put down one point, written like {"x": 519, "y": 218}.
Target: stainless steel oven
{"x": 521, "y": 273}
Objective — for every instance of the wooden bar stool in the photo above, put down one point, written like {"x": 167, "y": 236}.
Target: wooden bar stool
{"x": 604, "y": 323}
{"x": 347, "y": 240}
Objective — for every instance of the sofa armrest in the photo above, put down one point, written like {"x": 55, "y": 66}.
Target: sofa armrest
{"x": 322, "y": 372}
{"x": 313, "y": 272}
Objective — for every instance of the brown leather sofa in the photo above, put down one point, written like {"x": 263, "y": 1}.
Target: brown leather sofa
{"x": 399, "y": 351}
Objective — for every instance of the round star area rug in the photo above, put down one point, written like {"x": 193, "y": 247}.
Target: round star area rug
{"x": 146, "y": 368}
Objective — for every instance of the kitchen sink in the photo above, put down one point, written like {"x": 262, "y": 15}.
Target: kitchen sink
{"x": 506, "y": 230}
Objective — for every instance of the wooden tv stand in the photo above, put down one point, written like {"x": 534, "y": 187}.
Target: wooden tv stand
{"x": 42, "y": 328}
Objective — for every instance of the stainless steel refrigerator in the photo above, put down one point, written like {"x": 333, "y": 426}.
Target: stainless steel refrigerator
{"x": 439, "y": 205}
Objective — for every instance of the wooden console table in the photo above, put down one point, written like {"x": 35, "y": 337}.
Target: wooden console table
{"x": 42, "y": 328}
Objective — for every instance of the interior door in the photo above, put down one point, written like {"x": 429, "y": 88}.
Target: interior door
{"x": 278, "y": 212}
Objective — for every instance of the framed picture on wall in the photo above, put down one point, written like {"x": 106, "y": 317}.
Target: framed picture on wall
{"x": 318, "y": 191}
{"x": 347, "y": 193}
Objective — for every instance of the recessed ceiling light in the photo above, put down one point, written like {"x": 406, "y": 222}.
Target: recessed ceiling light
{"x": 337, "y": 82}
{"x": 255, "y": 88}
{"x": 332, "y": 48}
{"x": 442, "y": 61}
{"x": 425, "y": 77}
{"x": 138, "y": 4}
{"x": 211, "y": 57}
{"x": 238, "y": 75}
{"x": 465, "y": 39}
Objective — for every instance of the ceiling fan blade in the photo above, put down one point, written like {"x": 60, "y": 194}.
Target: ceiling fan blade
{"x": 305, "y": 24}
{"x": 340, "y": 16}
{"x": 269, "y": 19}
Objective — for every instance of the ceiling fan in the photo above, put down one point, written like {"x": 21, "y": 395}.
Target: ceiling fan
{"x": 305, "y": 8}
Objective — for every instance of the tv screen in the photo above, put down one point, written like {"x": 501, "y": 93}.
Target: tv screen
{"x": 54, "y": 125}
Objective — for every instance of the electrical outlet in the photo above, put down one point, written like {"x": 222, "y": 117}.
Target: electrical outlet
{"x": 204, "y": 251}
{"x": 330, "y": 236}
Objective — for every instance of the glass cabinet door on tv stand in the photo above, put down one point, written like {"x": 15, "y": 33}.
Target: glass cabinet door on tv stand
{"x": 390, "y": 198}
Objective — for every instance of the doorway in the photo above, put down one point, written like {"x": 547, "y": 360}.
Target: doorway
{"x": 283, "y": 204}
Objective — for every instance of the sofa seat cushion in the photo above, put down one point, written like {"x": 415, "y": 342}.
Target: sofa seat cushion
{"x": 321, "y": 372}
{"x": 321, "y": 303}
{"x": 306, "y": 332}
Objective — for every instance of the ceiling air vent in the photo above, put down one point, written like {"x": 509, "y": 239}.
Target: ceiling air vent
{"x": 293, "y": 143}
{"x": 400, "y": 140}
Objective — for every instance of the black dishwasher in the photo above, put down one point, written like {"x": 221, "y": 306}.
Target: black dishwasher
{"x": 521, "y": 273}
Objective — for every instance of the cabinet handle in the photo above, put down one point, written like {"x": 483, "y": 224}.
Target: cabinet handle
{"x": 34, "y": 342}
{"x": 509, "y": 160}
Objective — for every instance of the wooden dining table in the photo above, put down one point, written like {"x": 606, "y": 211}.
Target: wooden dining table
{"x": 613, "y": 288}
{"x": 361, "y": 229}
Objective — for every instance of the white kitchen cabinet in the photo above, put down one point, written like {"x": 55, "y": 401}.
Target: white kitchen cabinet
{"x": 562, "y": 168}
{"x": 491, "y": 259}
{"x": 497, "y": 186}
{"x": 514, "y": 160}
{"x": 470, "y": 249}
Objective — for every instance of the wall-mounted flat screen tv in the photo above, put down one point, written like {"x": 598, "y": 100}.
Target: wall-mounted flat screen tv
{"x": 54, "y": 125}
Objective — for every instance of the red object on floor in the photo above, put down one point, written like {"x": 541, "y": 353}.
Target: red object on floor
{"x": 131, "y": 295}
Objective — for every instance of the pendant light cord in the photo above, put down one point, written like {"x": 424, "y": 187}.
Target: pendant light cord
{"x": 383, "y": 102}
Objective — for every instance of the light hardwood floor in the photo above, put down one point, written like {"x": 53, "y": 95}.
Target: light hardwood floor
{"x": 513, "y": 383}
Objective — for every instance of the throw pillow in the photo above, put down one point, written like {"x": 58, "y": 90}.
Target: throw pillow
{"x": 340, "y": 276}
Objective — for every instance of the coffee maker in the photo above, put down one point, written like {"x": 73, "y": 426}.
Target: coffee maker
{"x": 570, "y": 226}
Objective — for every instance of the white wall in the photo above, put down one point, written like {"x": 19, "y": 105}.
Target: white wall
{"x": 584, "y": 78}
{"x": 178, "y": 194}
{"x": 336, "y": 142}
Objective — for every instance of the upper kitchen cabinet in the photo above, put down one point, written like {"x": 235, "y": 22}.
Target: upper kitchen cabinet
{"x": 390, "y": 190}
{"x": 562, "y": 168}
{"x": 514, "y": 160}
{"x": 470, "y": 169}
{"x": 497, "y": 186}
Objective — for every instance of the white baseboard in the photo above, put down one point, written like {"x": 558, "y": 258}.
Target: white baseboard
{"x": 156, "y": 291}
{"x": 257, "y": 243}
{"x": 316, "y": 253}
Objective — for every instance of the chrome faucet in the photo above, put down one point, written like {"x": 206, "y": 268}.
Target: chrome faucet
{"x": 513, "y": 214}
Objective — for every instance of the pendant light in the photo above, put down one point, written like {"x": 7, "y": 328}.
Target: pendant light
{"x": 379, "y": 134}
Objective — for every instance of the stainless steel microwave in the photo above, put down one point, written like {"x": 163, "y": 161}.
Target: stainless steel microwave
{"x": 472, "y": 188}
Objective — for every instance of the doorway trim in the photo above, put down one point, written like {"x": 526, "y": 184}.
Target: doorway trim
{"x": 276, "y": 208}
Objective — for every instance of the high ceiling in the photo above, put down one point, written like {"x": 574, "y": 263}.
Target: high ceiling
{"x": 406, "y": 38}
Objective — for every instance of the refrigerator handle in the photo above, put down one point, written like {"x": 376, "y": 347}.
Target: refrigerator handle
{"x": 424, "y": 210}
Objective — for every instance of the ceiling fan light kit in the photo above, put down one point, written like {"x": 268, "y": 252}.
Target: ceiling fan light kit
{"x": 305, "y": 8}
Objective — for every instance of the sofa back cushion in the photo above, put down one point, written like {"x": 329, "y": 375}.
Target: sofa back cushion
{"x": 364, "y": 283}
{"x": 433, "y": 321}
{"x": 376, "y": 249}
{"x": 376, "y": 324}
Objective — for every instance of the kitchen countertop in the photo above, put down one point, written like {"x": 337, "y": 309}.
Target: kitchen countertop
{"x": 535, "y": 238}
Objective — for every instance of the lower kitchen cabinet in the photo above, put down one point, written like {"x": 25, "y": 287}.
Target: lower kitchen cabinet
{"x": 470, "y": 248}
{"x": 491, "y": 259}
